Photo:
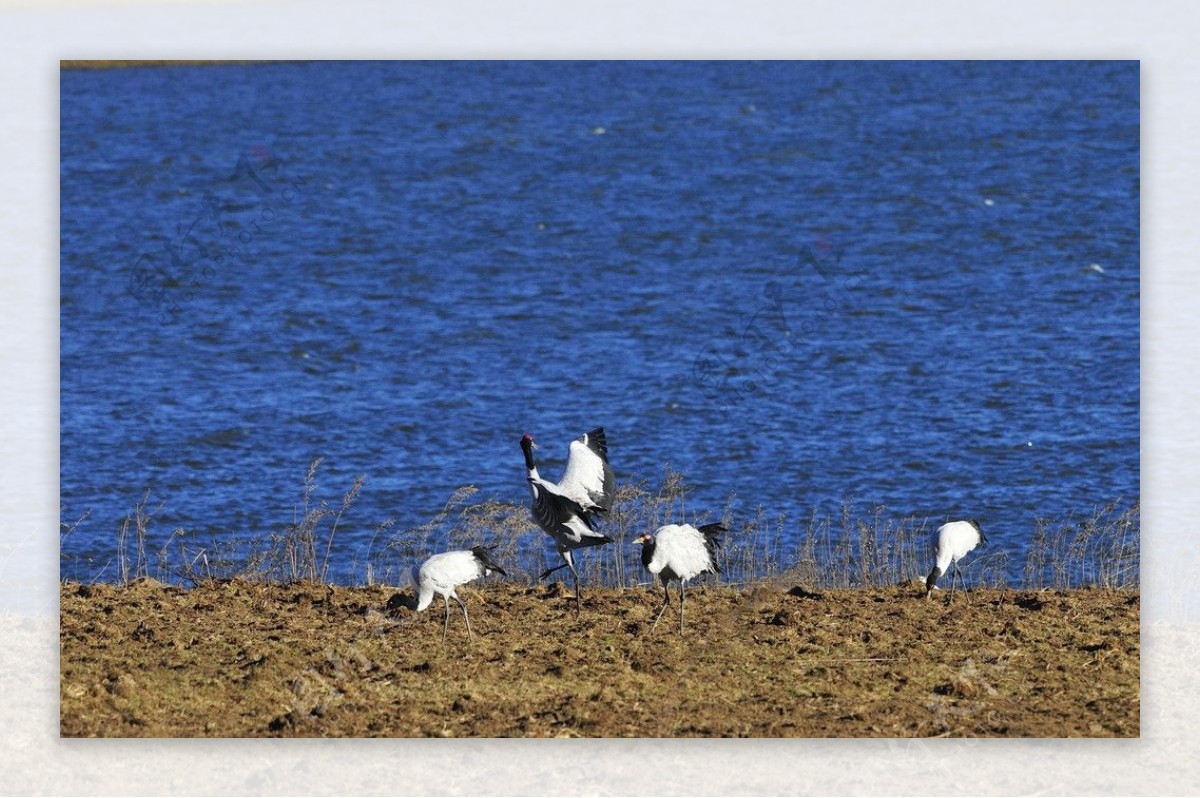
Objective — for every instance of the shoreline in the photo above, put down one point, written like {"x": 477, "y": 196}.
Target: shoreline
{"x": 65, "y": 64}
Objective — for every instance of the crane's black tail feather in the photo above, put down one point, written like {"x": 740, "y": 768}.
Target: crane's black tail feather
{"x": 712, "y": 541}
{"x": 485, "y": 559}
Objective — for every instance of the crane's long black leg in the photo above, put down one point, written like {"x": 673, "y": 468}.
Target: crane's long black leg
{"x": 467, "y": 617}
{"x": 662, "y": 609}
{"x": 681, "y": 606}
{"x": 446, "y": 623}
{"x": 574, "y": 576}
{"x": 963, "y": 579}
{"x": 549, "y": 571}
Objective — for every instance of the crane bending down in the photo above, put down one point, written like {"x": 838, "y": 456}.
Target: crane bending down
{"x": 567, "y": 511}
{"x": 680, "y": 551}
{"x": 952, "y": 542}
{"x": 442, "y": 573}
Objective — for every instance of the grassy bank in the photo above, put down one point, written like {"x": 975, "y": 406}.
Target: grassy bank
{"x": 243, "y": 658}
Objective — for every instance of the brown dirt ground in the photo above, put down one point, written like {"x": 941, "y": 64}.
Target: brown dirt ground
{"x": 244, "y": 659}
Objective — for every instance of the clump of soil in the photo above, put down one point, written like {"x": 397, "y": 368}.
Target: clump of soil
{"x": 237, "y": 659}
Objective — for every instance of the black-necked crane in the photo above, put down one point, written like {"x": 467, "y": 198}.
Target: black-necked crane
{"x": 680, "y": 551}
{"x": 952, "y": 542}
{"x": 442, "y": 573}
{"x": 566, "y": 511}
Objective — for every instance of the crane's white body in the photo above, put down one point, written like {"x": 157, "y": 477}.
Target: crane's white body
{"x": 442, "y": 573}
{"x": 680, "y": 552}
{"x": 566, "y": 511}
{"x": 952, "y": 542}
{"x": 569, "y": 529}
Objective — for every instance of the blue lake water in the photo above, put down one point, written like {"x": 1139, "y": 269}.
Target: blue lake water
{"x": 913, "y": 284}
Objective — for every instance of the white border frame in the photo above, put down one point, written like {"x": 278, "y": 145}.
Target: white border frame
{"x": 35, "y": 36}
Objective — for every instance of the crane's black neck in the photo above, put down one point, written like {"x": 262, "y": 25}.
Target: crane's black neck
{"x": 527, "y": 447}
{"x": 647, "y": 553}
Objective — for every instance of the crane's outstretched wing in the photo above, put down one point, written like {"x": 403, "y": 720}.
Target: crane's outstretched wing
{"x": 588, "y": 480}
{"x": 559, "y": 514}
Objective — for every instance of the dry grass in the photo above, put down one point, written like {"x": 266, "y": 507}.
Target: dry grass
{"x": 855, "y": 549}
{"x": 1102, "y": 549}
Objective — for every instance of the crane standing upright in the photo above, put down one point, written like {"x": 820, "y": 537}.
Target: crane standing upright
{"x": 680, "y": 551}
